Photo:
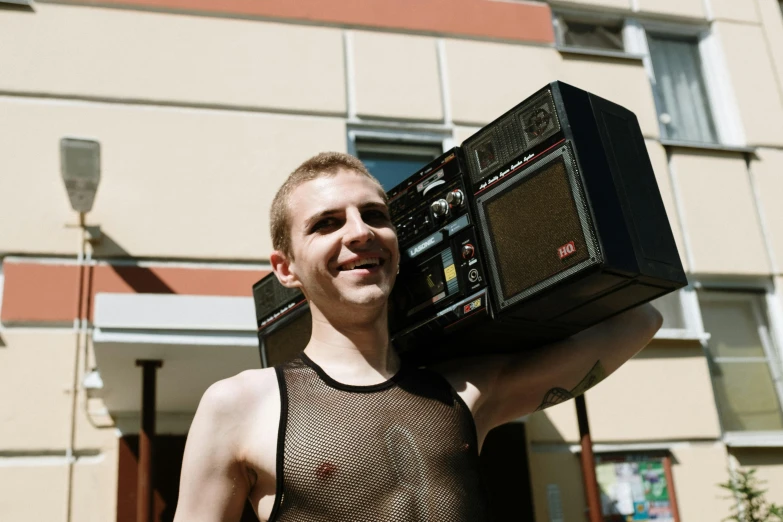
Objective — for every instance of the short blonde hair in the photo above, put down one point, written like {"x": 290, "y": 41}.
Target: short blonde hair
{"x": 323, "y": 164}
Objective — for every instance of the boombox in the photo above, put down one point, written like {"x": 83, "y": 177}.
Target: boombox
{"x": 543, "y": 223}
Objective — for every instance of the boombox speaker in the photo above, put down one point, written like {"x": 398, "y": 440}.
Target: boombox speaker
{"x": 573, "y": 227}
{"x": 284, "y": 321}
{"x": 570, "y": 229}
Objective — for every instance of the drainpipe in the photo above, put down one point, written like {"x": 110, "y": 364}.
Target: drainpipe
{"x": 592, "y": 492}
{"x": 144, "y": 486}
{"x": 79, "y": 327}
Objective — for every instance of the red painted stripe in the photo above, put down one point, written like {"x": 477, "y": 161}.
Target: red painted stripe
{"x": 48, "y": 293}
{"x": 522, "y": 21}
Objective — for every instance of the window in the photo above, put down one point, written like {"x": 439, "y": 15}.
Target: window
{"x": 743, "y": 361}
{"x": 670, "y": 307}
{"x": 580, "y": 32}
{"x": 693, "y": 96}
{"x": 393, "y": 162}
{"x": 681, "y": 96}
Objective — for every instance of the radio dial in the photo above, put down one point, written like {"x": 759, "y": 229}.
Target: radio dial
{"x": 455, "y": 198}
{"x": 440, "y": 208}
{"x": 468, "y": 251}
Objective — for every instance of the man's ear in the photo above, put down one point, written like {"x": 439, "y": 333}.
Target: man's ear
{"x": 282, "y": 267}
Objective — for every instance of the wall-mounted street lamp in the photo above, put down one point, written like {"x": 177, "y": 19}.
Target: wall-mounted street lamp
{"x": 80, "y": 166}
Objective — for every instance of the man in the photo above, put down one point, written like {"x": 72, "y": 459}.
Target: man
{"x": 347, "y": 433}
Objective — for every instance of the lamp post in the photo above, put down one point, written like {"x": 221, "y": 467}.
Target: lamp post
{"x": 80, "y": 168}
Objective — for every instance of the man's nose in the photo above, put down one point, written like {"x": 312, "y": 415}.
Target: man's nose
{"x": 356, "y": 230}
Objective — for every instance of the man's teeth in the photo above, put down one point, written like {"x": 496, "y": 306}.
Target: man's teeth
{"x": 370, "y": 261}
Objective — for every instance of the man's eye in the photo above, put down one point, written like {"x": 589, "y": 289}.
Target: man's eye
{"x": 324, "y": 224}
{"x": 376, "y": 215}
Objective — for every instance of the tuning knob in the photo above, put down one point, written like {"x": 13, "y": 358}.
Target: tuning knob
{"x": 455, "y": 198}
{"x": 439, "y": 208}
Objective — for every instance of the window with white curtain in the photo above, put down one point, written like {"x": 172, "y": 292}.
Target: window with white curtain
{"x": 683, "y": 104}
{"x": 744, "y": 361}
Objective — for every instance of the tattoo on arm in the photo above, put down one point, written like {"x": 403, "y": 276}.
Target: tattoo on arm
{"x": 557, "y": 395}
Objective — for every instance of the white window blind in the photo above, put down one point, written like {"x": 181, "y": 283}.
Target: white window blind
{"x": 683, "y": 106}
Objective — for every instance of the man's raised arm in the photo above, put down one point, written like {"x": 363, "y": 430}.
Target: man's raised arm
{"x": 510, "y": 386}
{"x": 213, "y": 483}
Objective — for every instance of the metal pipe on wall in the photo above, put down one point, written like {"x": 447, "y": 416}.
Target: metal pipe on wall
{"x": 145, "y": 486}
{"x": 592, "y": 493}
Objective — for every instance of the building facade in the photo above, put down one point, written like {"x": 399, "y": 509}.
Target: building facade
{"x": 202, "y": 107}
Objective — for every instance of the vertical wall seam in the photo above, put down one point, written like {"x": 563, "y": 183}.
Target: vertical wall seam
{"x": 760, "y": 216}
{"x": 350, "y": 75}
{"x": 445, "y": 92}
{"x": 678, "y": 205}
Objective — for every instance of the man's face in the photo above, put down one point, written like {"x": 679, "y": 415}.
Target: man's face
{"x": 343, "y": 242}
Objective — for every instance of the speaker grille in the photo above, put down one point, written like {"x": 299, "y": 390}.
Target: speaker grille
{"x": 269, "y": 296}
{"x": 537, "y": 227}
{"x": 539, "y": 119}
{"x": 288, "y": 339}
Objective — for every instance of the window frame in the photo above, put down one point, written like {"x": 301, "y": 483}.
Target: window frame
{"x": 771, "y": 342}
{"x": 720, "y": 94}
{"x": 596, "y": 18}
{"x": 403, "y": 139}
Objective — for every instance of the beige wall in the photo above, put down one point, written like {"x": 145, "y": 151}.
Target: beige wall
{"x": 772, "y": 22}
{"x": 697, "y": 469}
{"x": 175, "y": 182}
{"x": 36, "y": 367}
{"x": 766, "y": 170}
{"x": 34, "y": 491}
{"x": 397, "y": 76}
{"x": 768, "y": 463}
{"x": 754, "y": 81}
{"x": 95, "y": 488}
{"x": 486, "y": 79}
{"x": 664, "y": 393}
{"x": 121, "y": 54}
{"x": 720, "y": 213}
{"x": 735, "y": 10}
{"x": 677, "y": 8}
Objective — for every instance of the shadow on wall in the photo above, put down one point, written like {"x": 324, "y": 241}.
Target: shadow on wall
{"x": 142, "y": 280}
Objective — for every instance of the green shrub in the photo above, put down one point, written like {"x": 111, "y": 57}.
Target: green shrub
{"x": 750, "y": 506}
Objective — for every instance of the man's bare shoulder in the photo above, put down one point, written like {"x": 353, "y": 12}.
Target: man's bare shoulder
{"x": 243, "y": 392}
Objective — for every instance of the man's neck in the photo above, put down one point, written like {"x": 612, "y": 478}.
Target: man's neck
{"x": 353, "y": 349}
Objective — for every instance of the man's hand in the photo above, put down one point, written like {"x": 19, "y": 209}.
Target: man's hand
{"x": 502, "y": 388}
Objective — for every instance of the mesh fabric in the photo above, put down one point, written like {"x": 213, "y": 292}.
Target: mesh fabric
{"x": 404, "y": 450}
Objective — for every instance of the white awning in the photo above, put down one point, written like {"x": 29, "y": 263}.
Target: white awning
{"x": 200, "y": 339}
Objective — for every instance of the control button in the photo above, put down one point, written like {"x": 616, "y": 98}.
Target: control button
{"x": 440, "y": 208}
{"x": 473, "y": 275}
{"x": 468, "y": 251}
{"x": 455, "y": 198}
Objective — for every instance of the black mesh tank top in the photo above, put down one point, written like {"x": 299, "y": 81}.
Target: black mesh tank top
{"x": 404, "y": 450}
